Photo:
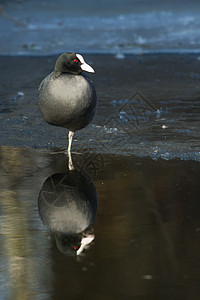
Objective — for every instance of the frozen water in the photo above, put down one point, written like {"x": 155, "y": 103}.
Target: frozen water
{"x": 127, "y": 28}
{"x": 165, "y": 124}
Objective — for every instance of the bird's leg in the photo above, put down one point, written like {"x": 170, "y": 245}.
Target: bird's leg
{"x": 70, "y": 163}
{"x": 70, "y": 137}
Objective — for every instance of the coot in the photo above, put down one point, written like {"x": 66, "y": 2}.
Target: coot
{"x": 66, "y": 97}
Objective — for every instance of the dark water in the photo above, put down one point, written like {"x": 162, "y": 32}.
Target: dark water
{"x": 146, "y": 230}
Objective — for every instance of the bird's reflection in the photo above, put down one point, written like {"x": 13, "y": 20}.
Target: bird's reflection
{"x": 67, "y": 203}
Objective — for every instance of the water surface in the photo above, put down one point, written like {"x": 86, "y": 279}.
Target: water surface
{"x": 146, "y": 229}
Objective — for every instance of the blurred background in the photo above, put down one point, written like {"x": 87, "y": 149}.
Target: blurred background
{"x": 128, "y": 26}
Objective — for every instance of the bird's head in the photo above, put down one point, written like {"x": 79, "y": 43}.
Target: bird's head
{"x": 71, "y": 63}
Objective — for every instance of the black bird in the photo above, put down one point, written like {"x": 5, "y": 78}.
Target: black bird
{"x": 66, "y": 97}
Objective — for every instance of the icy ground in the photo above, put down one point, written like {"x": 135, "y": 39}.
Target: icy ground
{"x": 148, "y": 105}
{"x": 49, "y": 27}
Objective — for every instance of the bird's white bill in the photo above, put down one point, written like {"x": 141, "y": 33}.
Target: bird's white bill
{"x": 87, "y": 68}
{"x": 84, "y": 242}
{"x": 84, "y": 66}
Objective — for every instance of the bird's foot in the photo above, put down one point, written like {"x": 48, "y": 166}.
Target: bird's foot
{"x": 70, "y": 166}
{"x": 70, "y": 162}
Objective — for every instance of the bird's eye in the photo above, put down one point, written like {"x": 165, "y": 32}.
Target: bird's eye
{"x": 76, "y": 60}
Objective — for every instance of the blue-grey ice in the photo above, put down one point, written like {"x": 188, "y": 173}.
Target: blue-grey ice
{"x": 107, "y": 27}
